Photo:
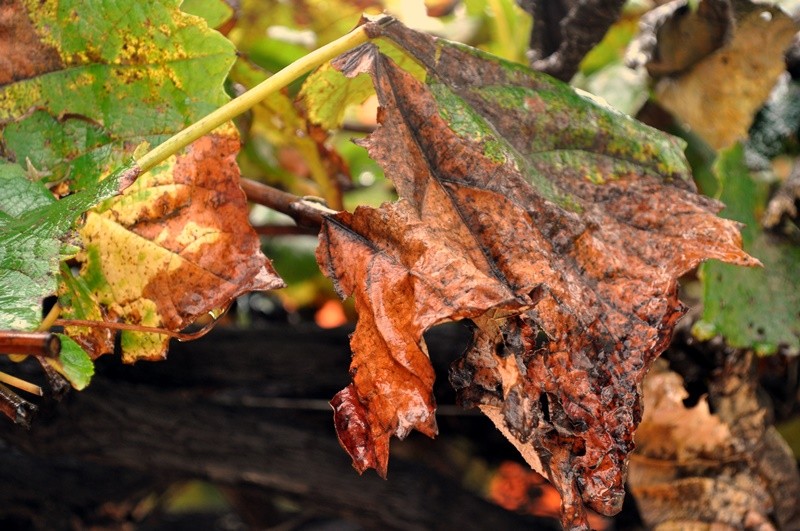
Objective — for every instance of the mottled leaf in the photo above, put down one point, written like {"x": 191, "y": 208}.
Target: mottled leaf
{"x": 79, "y": 93}
{"x": 558, "y": 226}
{"x": 751, "y": 308}
{"x": 126, "y": 73}
{"x": 173, "y": 247}
{"x": 329, "y": 94}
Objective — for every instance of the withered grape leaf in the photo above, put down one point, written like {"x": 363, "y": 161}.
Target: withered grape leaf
{"x": 732, "y": 83}
{"x": 558, "y": 226}
{"x": 174, "y": 246}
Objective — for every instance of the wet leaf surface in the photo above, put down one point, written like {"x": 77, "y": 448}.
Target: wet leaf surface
{"x": 558, "y": 226}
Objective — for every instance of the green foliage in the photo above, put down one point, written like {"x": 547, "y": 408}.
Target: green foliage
{"x": 74, "y": 363}
{"x": 128, "y": 74}
{"x": 214, "y": 12}
{"x": 329, "y": 94}
{"x": 33, "y": 242}
{"x": 754, "y": 308}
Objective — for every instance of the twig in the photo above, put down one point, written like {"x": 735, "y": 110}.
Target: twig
{"x": 305, "y": 213}
{"x": 180, "y": 336}
{"x": 284, "y": 230}
{"x": 30, "y": 343}
{"x": 14, "y": 407}
{"x": 20, "y": 384}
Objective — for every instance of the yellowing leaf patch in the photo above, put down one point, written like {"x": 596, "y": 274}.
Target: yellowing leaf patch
{"x": 175, "y": 246}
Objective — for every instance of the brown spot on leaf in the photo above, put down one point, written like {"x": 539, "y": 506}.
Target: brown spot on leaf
{"x": 23, "y": 55}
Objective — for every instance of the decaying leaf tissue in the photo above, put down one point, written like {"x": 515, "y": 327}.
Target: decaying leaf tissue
{"x": 556, "y": 225}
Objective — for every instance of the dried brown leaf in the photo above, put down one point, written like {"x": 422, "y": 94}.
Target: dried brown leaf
{"x": 696, "y": 469}
{"x": 558, "y": 226}
{"x": 720, "y": 95}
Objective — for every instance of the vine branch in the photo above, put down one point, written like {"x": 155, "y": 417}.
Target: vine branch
{"x": 304, "y": 212}
{"x": 565, "y": 31}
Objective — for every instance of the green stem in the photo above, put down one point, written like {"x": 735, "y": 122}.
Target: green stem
{"x": 250, "y": 98}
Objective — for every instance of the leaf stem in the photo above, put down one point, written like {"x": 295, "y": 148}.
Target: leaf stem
{"x": 250, "y": 98}
{"x": 20, "y": 384}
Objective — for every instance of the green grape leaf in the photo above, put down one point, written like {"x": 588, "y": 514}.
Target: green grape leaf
{"x": 755, "y": 308}
{"x": 113, "y": 77}
{"x": 126, "y": 73}
{"x": 215, "y": 12}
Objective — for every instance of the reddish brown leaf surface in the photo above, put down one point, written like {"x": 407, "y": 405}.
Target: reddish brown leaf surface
{"x": 22, "y": 54}
{"x": 558, "y": 226}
